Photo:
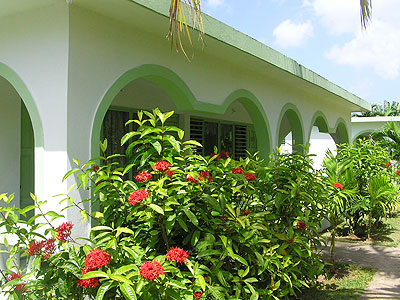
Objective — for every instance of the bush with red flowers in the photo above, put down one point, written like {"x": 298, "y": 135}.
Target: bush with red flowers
{"x": 182, "y": 226}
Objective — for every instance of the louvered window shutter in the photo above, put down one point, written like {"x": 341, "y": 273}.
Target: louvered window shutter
{"x": 240, "y": 141}
{"x": 251, "y": 139}
{"x": 196, "y": 133}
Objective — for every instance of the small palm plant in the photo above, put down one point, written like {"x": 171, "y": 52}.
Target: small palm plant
{"x": 341, "y": 187}
{"x": 381, "y": 195}
{"x": 389, "y": 136}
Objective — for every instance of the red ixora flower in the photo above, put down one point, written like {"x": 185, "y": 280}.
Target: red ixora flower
{"x": 301, "y": 225}
{"x": 151, "y": 270}
{"x": 137, "y": 196}
{"x": 246, "y": 212}
{"x": 206, "y": 175}
{"x": 143, "y": 176}
{"x": 89, "y": 282}
{"x": 192, "y": 179}
{"x": 162, "y": 165}
{"x": 250, "y": 176}
{"x": 237, "y": 171}
{"x": 18, "y": 287}
{"x": 198, "y": 295}
{"x": 96, "y": 259}
{"x": 389, "y": 164}
{"x": 64, "y": 231}
{"x": 338, "y": 185}
{"x": 35, "y": 248}
{"x": 220, "y": 155}
{"x": 398, "y": 172}
{"x": 48, "y": 248}
{"x": 177, "y": 254}
{"x": 95, "y": 168}
{"x": 169, "y": 173}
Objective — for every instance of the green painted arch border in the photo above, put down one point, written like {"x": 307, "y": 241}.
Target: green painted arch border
{"x": 12, "y": 77}
{"x": 185, "y": 101}
{"x": 342, "y": 131}
{"x": 19, "y": 85}
{"x": 362, "y": 132}
{"x": 297, "y": 131}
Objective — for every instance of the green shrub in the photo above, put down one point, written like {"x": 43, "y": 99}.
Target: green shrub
{"x": 188, "y": 226}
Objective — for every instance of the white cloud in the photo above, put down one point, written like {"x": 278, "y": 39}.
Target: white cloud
{"x": 377, "y": 48}
{"x": 288, "y": 34}
{"x": 214, "y": 3}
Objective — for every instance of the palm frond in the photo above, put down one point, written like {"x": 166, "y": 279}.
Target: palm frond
{"x": 366, "y": 12}
{"x": 181, "y": 12}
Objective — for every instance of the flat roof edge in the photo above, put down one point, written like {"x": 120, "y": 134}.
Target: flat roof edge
{"x": 228, "y": 35}
{"x": 375, "y": 119}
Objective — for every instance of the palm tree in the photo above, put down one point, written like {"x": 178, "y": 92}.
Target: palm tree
{"x": 179, "y": 20}
{"x": 389, "y": 135}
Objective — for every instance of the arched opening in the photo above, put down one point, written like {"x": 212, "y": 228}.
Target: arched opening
{"x": 320, "y": 140}
{"x": 341, "y": 135}
{"x": 150, "y": 86}
{"x": 363, "y": 134}
{"x": 290, "y": 132}
{"x": 21, "y": 142}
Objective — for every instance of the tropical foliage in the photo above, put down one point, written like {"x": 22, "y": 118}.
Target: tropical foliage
{"x": 173, "y": 224}
{"x": 389, "y": 137}
{"x": 386, "y": 109}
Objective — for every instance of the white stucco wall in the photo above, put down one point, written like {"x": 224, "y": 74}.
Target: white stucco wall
{"x": 320, "y": 143}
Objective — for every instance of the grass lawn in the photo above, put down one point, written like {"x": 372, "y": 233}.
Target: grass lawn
{"x": 387, "y": 235}
{"x": 347, "y": 282}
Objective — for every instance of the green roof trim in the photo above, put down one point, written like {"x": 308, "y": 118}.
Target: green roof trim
{"x": 249, "y": 45}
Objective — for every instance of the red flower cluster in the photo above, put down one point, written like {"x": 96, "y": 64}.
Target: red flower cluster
{"x": 95, "y": 168}
{"x": 250, "y": 176}
{"x": 237, "y": 171}
{"x": 44, "y": 248}
{"x": 192, "y": 179}
{"x": 162, "y": 165}
{"x": 301, "y": 225}
{"x": 177, "y": 254}
{"x": 338, "y": 185}
{"x": 246, "y": 212}
{"x": 398, "y": 172}
{"x": 138, "y": 196}
{"x": 389, "y": 164}
{"x": 220, "y": 155}
{"x": 89, "y": 282}
{"x": 169, "y": 173}
{"x": 143, "y": 176}
{"x": 197, "y": 295}
{"x": 18, "y": 287}
{"x": 64, "y": 231}
{"x": 96, "y": 259}
{"x": 206, "y": 175}
{"x": 151, "y": 270}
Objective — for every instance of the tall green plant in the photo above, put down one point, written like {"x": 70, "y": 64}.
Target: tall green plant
{"x": 341, "y": 188}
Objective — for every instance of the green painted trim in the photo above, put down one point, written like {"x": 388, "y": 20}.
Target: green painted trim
{"x": 342, "y": 131}
{"x": 251, "y": 46}
{"x": 27, "y": 98}
{"x": 296, "y": 124}
{"x": 22, "y": 90}
{"x": 361, "y": 133}
{"x": 185, "y": 101}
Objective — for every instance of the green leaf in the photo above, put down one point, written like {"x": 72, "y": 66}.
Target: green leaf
{"x": 213, "y": 203}
{"x": 120, "y": 278}
{"x": 124, "y": 230}
{"x": 84, "y": 215}
{"x": 195, "y": 237}
{"x": 182, "y": 224}
{"x": 125, "y": 269}
{"x": 201, "y": 281}
{"x": 177, "y": 284}
{"x": 239, "y": 259}
{"x": 103, "y": 145}
{"x": 69, "y": 173}
{"x": 95, "y": 274}
{"x": 62, "y": 287}
{"x": 103, "y": 290}
{"x": 171, "y": 139}
{"x": 128, "y": 291}
{"x": 157, "y": 146}
{"x": 156, "y": 208}
{"x": 128, "y": 136}
{"x": 191, "y": 216}
{"x": 101, "y": 228}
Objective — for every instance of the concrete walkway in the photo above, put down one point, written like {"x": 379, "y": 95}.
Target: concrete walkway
{"x": 386, "y": 282}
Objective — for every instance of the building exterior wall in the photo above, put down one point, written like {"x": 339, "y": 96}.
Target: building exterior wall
{"x": 71, "y": 59}
{"x": 365, "y": 125}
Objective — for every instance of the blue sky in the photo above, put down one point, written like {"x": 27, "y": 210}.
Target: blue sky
{"x": 326, "y": 36}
